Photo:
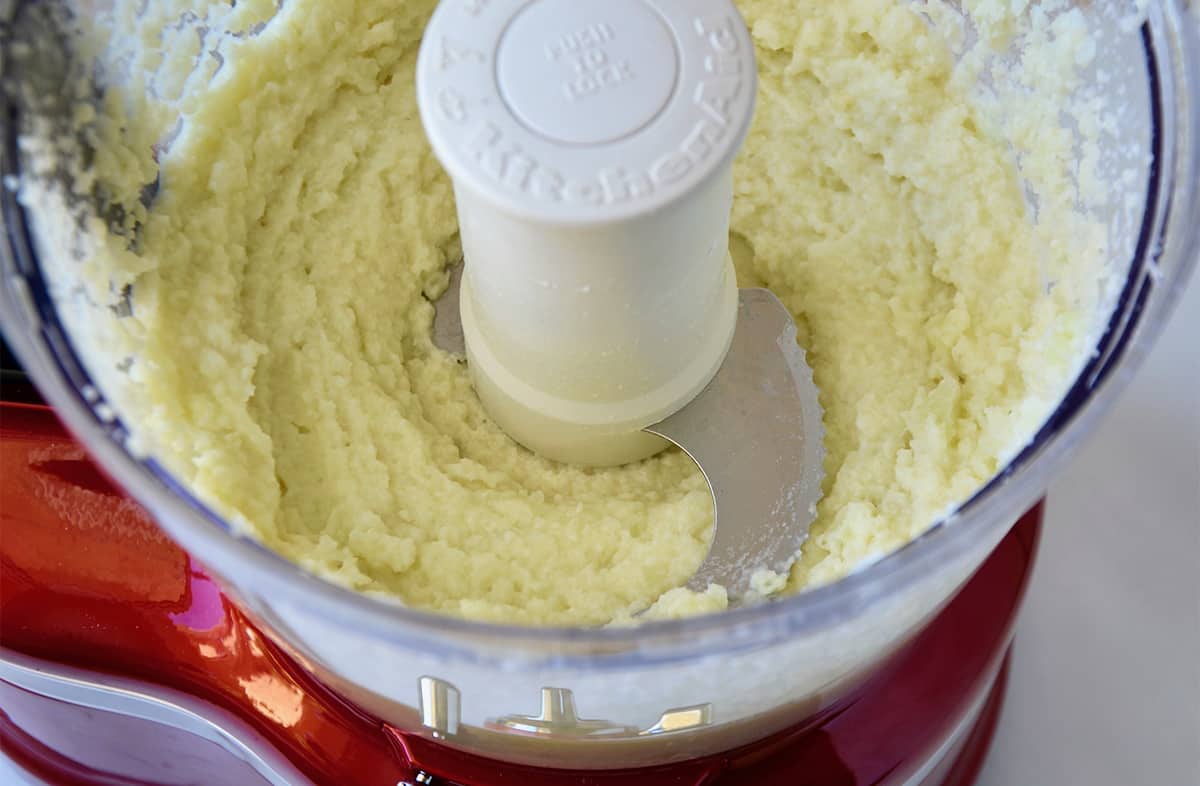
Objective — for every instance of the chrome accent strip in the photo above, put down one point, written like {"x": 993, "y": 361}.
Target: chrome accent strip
{"x": 684, "y": 719}
{"x": 441, "y": 705}
{"x": 559, "y": 717}
{"x": 154, "y": 704}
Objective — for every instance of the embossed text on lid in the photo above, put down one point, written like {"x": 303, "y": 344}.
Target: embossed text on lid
{"x": 587, "y": 72}
{"x": 580, "y": 111}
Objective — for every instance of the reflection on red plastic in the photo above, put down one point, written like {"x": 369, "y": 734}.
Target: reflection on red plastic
{"x": 88, "y": 580}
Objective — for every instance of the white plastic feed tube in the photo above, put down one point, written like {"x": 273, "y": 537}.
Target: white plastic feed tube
{"x": 591, "y": 145}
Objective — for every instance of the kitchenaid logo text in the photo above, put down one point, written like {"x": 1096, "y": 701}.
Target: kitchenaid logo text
{"x": 713, "y": 97}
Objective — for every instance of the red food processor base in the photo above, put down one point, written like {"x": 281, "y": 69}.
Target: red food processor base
{"x": 121, "y": 662}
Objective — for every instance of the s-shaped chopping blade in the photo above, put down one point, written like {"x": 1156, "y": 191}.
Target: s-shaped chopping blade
{"x": 756, "y": 433}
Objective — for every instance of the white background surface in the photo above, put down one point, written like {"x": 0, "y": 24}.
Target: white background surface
{"x": 1105, "y": 687}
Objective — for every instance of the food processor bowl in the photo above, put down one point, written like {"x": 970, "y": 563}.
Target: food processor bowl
{"x": 666, "y": 691}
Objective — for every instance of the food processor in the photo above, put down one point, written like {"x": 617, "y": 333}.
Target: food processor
{"x": 144, "y": 639}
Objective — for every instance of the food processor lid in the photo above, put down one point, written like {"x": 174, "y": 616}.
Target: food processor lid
{"x": 653, "y": 98}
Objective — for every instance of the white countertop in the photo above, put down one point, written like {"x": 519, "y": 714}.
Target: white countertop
{"x": 1105, "y": 688}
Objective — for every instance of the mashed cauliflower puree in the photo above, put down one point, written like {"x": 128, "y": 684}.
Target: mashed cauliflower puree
{"x": 283, "y": 272}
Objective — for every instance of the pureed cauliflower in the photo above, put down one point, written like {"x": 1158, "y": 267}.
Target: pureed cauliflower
{"x": 280, "y": 272}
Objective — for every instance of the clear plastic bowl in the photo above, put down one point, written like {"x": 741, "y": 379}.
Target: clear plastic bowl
{"x": 669, "y": 690}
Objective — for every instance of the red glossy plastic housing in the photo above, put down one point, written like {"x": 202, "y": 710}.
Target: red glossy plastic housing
{"x": 87, "y": 580}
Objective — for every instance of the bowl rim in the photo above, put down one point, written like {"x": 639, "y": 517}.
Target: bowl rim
{"x": 1142, "y": 309}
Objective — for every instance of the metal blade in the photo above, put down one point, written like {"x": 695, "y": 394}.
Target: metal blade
{"x": 447, "y": 319}
{"x": 756, "y": 433}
